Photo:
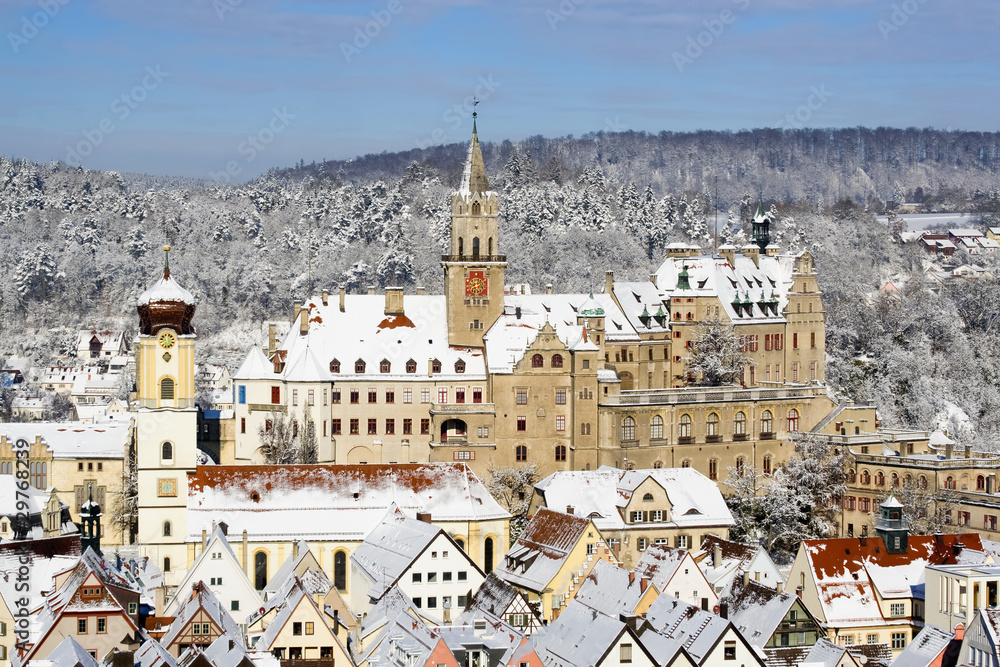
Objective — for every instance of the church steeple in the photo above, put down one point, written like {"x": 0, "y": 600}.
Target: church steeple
{"x": 474, "y": 269}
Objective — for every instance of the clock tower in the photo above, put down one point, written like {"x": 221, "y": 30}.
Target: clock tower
{"x": 166, "y": 422}
{"x": 474, "y": 270}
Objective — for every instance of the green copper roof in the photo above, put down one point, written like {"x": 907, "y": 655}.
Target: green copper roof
{"x": 591, "y": 307}
{"x": 682, "y": 278}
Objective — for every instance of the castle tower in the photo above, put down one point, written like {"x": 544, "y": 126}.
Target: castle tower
{"x": 166, "y": 421}
{"x": 90, "y": 524}
{"x": 761, "y": 226}
{"x": 891, "y": 526}
{"x": 474, "y": 271}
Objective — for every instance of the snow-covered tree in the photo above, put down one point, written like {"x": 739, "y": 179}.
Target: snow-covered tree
{"x": 512, "y": 487}
{"x": 717, "y": 356}
{"x": 279, "y": 440}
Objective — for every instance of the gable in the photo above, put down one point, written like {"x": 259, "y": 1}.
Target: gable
{"x": 639, "y": 501}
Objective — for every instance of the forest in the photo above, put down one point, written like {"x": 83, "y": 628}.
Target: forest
{"x": 79, "y": 246}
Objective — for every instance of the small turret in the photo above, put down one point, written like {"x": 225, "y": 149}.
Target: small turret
{"x": 90, "y": 524}
{"x": 762, "y": 226}
{"x": 891, "y": 526}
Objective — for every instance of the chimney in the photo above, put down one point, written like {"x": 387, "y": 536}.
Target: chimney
{"x": 232, "y": 644}
{"x": 424, "y": 516}
{"x": 371, "y": 290}
{"x": 609, "y": 282}
{"x": 938, "y": 538}
{"x": 724, "y": 609}
{"x": 863, "y": 540}
{"x": 968, "y": 451}
{"x": 746, "y": 579}
{"x": 246, "y": 549}
{"x": 780, "y": 586}
{"x": 295, "y": 549}
{"x": 959, "y": 632}
{"x": 296, "y": 307}
{"x": 517, "y": 312}
{"x": 272, "y": 338}
{"x": 343, "y": 293}
{"x": 326, "y": 297}
{"x": 643, "y": 584}
{"x": 204, "y": 539}
{"x": 949, "y": 450}
{"x": 652, "y": 279}
{"x": 717, "y": 555}
{"x": 336, "y": 620}
{"x": 548, "y": 288}
{"x": 729, "y": 252}
{"x": 957, "y": 547}
{"x": 631, "y": 578}
{"x": 753, "y": 252}
{"x": 569, "y": 509}
{"x": 421, "y": 291}
{"x": 631, "y": 620}
{"x": 304, "y": 322}
{"x": 393, "y": 300}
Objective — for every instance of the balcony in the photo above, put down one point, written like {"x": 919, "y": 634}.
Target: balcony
{"x": 485, "y": 259}
{"x": 686, "y": 395}
{"x": 739, "y": 437}
{"x": 685, "y": 440}
{"x": 463, "y": 408}
{"x": 766, "y": 435}
{"x": 713, "y": 438}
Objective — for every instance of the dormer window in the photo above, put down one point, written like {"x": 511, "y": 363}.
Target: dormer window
{"x": 411, "y": 366}
{"x": 435, "y": 366}
{"x": 334, "y": 366}
{"x": 459, "y": 366}
{"x": 359, "y": 366}
{"x": 384, "y": 366}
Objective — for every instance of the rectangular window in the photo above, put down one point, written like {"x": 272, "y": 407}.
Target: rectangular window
{"x": 521, "y": 397}
{"x": 898, "y": 640}
{"x": 795, "y": 341}
{"x": 560, "y": 397}
{"x": 102, "y": 626}
{"x": 407, "y": 427}
{"x": 560, "y": 423}
{"x": 873, "y": 639}
{"x": 335, "y": 396}
{"x": 767, "y": 373}
{"x": 310, "y": 628}
{"x": 812, "y": 339}
{"x": 463, "y": 456}
{"x": 324, "y": 428}
{"x": 641, "y": 543}
{"x": 275, "y": 395}
{"x": 446, "y": 576}
{"x": 730, "y": 650}
{"x": 636, "y": 517}
{"x": 355, "y": 396}
{"x": 416, "y": 603}
{"x": 311, "y": 397}
{"x": 625, "y": 653}
{"x": 297, "y": 628}
{"x": 234, "y": 605}
{"x": 372, "y": 427}
{"x": 335, "y": 427}
{"x": 657, "y": 515}
{"x": 768, "y": 342}
{"x": 325, "y": 397}
{"x": 81, "y": 626}
{"x": 372, "y": 395}
{"x": 463, "y": 576}
{"x": 432, "y": 603}
{"x": 355, "y": 427}
{"x": 295, "y": 396}
{"x": 477, "y": 394}
{"x": 442, "y": 395}
{"x": 897, "y": 609}
{"x": 425, "y": 426}
{"x": 425, "y": 395}
{"x": 243, "y": 394}
{"x": 460, "y": 394}
{"x": 390, "y": 426}
{"x": 390, "y": 395}
{"x": 522, "y": 423}
{"x": 795, "y": 372}
{"x": 779, "y": 341}
{"x": 407, "y": 395}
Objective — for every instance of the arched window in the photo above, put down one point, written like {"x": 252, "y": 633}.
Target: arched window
{"x": 739, "y": 466}
{"x": 411, "y": 366}
{"x": 923, "y": 482}
{"x": 490, "y": 244}
{"x": 712, "y": 424}
{"x": 557, "y": 361}
{"x": 647, "y": 498}
{"x": 537, "y": 361}
{"x": 359, "y": 366}
{"x": 879, "y": 479}
{"x": 560, "y": 452}
{"x": 895, "y": 481}
{"x": 980, "y": 483}
{"x": 657, "y": 465}
{"x": 766, "y": 422}
{"x": 521, "y": 453}
{"x": 340, "y": 570}
{"x": 334, "y": 366}
{"x": 949, "y": 483}
{"x": 461, "y": 246}
{"x": 628, "y": 429}
{"x": 852, "y": 476}
{"x": 713, "y": 469}
{"x": 459, "y": 366}
{"x": 686, "y": 463}
{"x": 260, "y": 570}
{"x": 767, "y": 464}
{"x": 793, "y": 420}
{"x": 656, "y": 428}
{"x": 166, "y": 564}
{"x": 475, "y": 211}
{"x": 384, "y": 366}
{"x": 488, "y": 555}
{"x": 460, "y": 542}
{"x": 475, "y": 240}
{"x": 166, "y": 529}
{"x": 167, "y": 389}
{"x": 167, "y": 452}
{"x": 685, "y": 425}
{"x": 740, "y": 424}
{"x": 866, "y": 477}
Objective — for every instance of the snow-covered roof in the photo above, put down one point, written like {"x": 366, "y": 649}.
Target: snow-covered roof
{"x": 165, "y": 289}
{"x": 643, "y": 301}
{"x": 391, "y": 548}
{"x": 757, "y": 610}
{"x": 711, "y": 276}
{"x": 67, "y": 653}
{"x": 541, "y": 549}
{"x": 201, "y": 598}
{"x": 331, "y": 502}
{"x": 152, "y": 654}
{"x": 925, "y": 648}
{"x": 696, "y": 630}
{"x": 734, "y": 557}
{"x": 659, "y": 563}
{"x": 611, "y": 590}
{"x": 601, "y": 494}
{"x": 965, "y": 232}
{"x": 494, "y": 596}
{"x": 74, "y": 440}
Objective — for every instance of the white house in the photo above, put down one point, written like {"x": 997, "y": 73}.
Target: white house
{"x": 723, "y": 560}
{"x": 675, "y": 572}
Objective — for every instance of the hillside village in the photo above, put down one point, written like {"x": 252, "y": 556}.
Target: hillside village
{"x": 688, "y": 490}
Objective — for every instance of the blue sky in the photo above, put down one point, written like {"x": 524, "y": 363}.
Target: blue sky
{"x": 231, "y": 88}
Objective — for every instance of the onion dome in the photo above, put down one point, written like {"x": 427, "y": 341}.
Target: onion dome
{"x": 166, "y": 305}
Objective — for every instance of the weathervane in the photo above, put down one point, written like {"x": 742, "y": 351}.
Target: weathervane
{"x": 475, "y": 103}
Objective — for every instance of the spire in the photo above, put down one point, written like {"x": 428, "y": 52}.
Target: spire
{"x": 474, "y": 177}
{"x": 683, "y": 283}
{"x": 166, "y": 262}
{"x": 761, "y": 225}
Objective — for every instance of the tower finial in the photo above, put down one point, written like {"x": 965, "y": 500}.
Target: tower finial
{"x": 166, "y": 262}
{"x": 475, "y": 103}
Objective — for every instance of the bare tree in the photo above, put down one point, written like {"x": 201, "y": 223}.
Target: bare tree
{"x": 279, "y": 439}
{"x": 512, "y": 487}
{"x": 125, "y": 509}
{"x": 717, "y": 353}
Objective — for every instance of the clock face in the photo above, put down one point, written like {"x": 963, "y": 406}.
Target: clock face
{"x": 475, "y": 284}
{"x": 167, "y": 340}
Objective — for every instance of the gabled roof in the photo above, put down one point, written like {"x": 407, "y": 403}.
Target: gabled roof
{"x": 67, "y": 654}
{"x": 201, "y": 598}
{"x": 255, "y": 366}
{"x": 331, "y": 502}
{"x": 391, "y": 548}
{"x": 925, "y": 648}
{"x": 152, "y": 654}
{"x": 541, "y": 549}
{"x": 659, "y": 563}
{"x": 297, "y": 596}
{"x": 734, "y": 558}
{"x": 611, "y": 590}
{"x": 494, "y": 597}
{"x": 291, "y": 566}
{"x": 227, "y": 651}
{"x": 698, "y": 631}
{"x": 217, "y": 543}
{"x": 758, "y": 610}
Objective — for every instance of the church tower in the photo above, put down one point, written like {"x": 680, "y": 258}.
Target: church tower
{"x": 166, "y": 421}
{"x": 474, "y": 271}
